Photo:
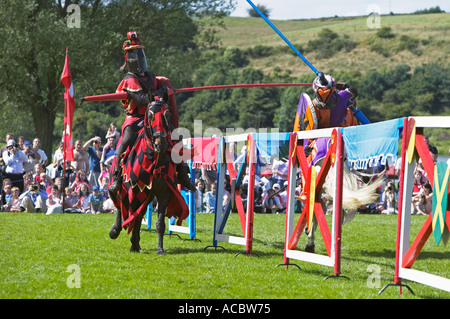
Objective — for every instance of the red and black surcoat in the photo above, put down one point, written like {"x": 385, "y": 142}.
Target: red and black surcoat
{"x": 135, "y": 110}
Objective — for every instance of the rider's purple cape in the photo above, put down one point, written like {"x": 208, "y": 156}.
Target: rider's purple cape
{"x": 139, "y": 169}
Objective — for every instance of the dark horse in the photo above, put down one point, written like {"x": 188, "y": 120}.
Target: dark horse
{"x": 148, "y": 171}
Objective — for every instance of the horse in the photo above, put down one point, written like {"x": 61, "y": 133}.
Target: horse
{"x": 357, "y": 191}
{"x": 148, "y": 172}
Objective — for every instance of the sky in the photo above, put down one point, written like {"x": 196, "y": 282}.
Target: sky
{"x": 310, "y": 9}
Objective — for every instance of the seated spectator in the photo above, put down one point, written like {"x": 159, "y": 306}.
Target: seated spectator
{"x": 80, "y": 178}
{"x": 283, "y": 195}
{"x": 46, "y": 181}
{"x": 96, "y": 200}
{"x": 70, "y": 201}
{"x": 13, "y": 204}
{"x": 272, "y": 203}
{"x": 210, "y": 199}
{"x": 7, "y": 191}
{"x": 418, "y": 183}
{"x": 389, "y": 199}
{"x": 104, "y": 186}
{"x": 33, "y": 200}
{"x": 83, "y": 199}
{"x": 54, "y": 201}
{"x": 422, "y": 202}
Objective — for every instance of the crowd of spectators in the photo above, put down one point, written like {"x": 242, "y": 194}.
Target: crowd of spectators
{"x": 271, "y": 190}
{"x": 33, "y": 181}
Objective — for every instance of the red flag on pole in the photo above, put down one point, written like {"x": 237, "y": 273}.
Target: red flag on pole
{"x": 69, "y": 109}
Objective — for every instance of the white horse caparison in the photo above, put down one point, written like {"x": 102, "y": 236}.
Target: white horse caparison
{"x": 354, "y": 195}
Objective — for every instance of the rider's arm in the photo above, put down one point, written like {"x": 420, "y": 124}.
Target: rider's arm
{"x": 139, "y": 97}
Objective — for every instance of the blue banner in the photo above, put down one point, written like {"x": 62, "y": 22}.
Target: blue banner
{"x": 370, "y": 145}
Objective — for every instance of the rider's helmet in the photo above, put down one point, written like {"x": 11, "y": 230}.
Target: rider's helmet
{"x": 324, "y": 86}
{"x": 134, "y": 54}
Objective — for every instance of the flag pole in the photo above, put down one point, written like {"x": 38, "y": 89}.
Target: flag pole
{"x": 63, "y": 181}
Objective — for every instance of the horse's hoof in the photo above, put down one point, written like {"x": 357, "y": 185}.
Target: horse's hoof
{"x": 114, "y": 232}
{"x": 310, "y": 248}
{"x": 160, "y": 251}
{"x": 135, "y": 249}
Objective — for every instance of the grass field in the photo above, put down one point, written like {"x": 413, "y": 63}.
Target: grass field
{"x": 38, "y": 254}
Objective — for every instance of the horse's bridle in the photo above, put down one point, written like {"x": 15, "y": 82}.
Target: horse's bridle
{"x": 150, "y": 118}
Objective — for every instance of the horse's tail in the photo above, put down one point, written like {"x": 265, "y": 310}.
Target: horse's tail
{"x": 354, "y": 195}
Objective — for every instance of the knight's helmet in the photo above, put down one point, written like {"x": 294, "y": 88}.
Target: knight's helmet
{"x": 324, "y": 87}
{"x": 134, "y": 54}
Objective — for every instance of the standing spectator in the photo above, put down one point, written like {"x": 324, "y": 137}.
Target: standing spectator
{"x": 80, "y": 158}
{"x": 112, "y": 132}
{"x": 21, "y": 141}
{"x": 9, "y": 136}
{"x": 43, "y": 157}
{"x": 95, "y": 155}
{"x": 14, "y": 160}
{"x": 33, "y": 158}
{"x": 13, "y": 204}
{"x": 58, "y": 161}
{"x": 96, "y": 200}
{"x": 54, "y": 201}
{"x": 108, "y": 153}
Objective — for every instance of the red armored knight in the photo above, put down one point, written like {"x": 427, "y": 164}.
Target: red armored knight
{"x": 142, "y": 87}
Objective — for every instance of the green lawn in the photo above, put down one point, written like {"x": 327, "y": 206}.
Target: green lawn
{"x": 37, "y": 254}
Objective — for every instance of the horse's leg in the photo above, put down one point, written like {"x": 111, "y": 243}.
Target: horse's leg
{"x": 163, "y": 202}
{"x": 114, "y": 232}
{"x": 310, "y": 246}
{"x": 136, "y": 235}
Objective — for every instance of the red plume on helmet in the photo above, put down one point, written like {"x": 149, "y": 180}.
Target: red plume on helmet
{"x": 134, "y": 53}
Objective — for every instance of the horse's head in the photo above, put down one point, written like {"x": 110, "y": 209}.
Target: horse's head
{"x": 157, "y": 123}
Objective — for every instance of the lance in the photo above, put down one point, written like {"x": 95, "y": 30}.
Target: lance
{"x": 357, "y": 113}
{"x": 123, "y": 95}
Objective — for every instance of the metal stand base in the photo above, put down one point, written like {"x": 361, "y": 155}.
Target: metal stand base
{"x": 215, "y": 247}
{"x": 398, "y": 285}
{"x": 287, "y": 265}
{"x": 172, "y": 235}
{"x": 191, "y": 239}
{"x": 336, "y": 276}
{"x": 246, "y": 252}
